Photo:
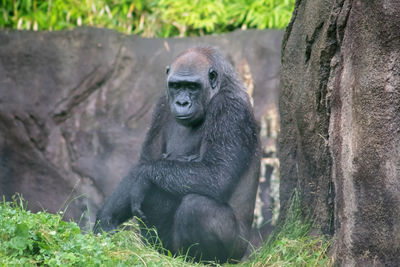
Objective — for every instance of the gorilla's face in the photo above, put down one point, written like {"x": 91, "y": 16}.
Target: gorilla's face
{"x": 191, "y": 83}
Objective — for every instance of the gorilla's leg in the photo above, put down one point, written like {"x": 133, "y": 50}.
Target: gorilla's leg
{"x": 124, "y": 203}
{"x": 208, "y": 230}
{"x": 159, "y": 207}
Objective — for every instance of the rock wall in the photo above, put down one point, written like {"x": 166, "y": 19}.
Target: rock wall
{"x": 340, "y": 124}
{"x": 75, "y": 107}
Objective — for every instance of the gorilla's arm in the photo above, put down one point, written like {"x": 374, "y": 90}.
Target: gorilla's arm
{"x": 231, "y": 141}
{"x": 153, "y": 144}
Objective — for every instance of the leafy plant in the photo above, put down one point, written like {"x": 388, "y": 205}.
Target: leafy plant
{"x": 37, "y": 239}
{"x": 28, "y": 239}
{"x": 150, "y": 18}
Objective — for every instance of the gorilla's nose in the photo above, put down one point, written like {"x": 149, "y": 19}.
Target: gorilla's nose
{"x": 182, "y": 103}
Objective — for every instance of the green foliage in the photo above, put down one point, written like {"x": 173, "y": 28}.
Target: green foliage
{"x": 28, "y": 239}
{"x": 39, "y": 239}
{"x": 150, "y": 18}
{"x": 291, "y": 245}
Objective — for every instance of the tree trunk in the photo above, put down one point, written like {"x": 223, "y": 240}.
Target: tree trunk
{"x": 340, "y": 124}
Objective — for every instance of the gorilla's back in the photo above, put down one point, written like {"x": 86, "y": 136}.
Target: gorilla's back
{"x": 243, "y": 198}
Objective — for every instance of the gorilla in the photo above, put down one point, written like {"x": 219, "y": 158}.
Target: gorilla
{"x": 197, "y": 176}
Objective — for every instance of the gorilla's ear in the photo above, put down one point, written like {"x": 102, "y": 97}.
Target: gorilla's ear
{"x": 167, "y": 70}
{"x": 213, "y": 76}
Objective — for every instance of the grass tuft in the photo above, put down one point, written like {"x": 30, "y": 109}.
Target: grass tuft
{"x": 38, "y": 239}
{"x": 291, "y": 243}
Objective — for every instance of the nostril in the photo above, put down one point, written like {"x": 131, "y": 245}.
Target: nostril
{"x": 182, "y": 103}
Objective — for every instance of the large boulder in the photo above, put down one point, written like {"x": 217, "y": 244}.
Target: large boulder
{"x": 340, "y": 124}
{"x": 75, "y": 106}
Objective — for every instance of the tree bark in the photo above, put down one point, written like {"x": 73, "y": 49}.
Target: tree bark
{"x": 340, "y": 124}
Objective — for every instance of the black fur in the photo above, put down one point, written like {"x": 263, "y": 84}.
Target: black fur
{"x": 196, "y": 179}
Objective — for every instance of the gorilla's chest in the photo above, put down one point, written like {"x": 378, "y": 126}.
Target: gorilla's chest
{"x": 182, "y": 143}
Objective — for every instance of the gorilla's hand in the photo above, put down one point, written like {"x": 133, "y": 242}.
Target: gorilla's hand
{"x": 138, "y": 213}
{"x": 137, "y": 194}
{"x": 181, "y": 158}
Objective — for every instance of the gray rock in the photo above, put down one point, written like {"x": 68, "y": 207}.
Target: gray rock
{"x": 340, "y": 124}
{"x": 75, "y": 106}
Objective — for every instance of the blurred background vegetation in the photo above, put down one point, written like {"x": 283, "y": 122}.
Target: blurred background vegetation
{"x": 148, "y": 18}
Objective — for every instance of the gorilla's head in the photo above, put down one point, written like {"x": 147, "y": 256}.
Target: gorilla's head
{"x": 191, "y": 83}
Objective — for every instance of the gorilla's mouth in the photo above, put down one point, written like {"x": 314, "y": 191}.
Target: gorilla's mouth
{"x": 184, "y": 117}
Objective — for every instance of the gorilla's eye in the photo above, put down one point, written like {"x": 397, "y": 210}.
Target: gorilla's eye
{"x": 193, "y": 86}
{"x": 173, "y": 85}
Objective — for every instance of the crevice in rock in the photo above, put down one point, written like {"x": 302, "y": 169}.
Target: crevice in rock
{"x": 310, "y": 42}
{"x": 331, "y": 67}
{"x": 70, "y": 149}
{"x": 91, "y": 83}
{"x": 35, "y": 130}
{"x": 342, "y": 20}
{"x": 334, "y": 35}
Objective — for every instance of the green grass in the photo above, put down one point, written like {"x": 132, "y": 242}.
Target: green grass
{"x": 149, "y": 18}
{"x": 44, "y": 239}
{"x": 291, "y": 245}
